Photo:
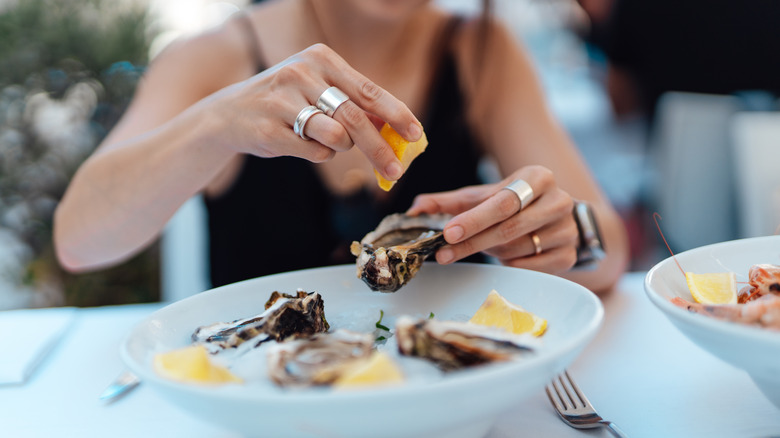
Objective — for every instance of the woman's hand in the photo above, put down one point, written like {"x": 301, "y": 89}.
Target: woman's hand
{"x": 489, "y": 219}
{"x": 262, "y": 110}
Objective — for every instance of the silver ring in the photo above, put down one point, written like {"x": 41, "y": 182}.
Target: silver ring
{"x": 303, "y": 117}
{"x": 330, "y": 100}
{"x": 537, "y": 243}
{"x": 523, "y": 191}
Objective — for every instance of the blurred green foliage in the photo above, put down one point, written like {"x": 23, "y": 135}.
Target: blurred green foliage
{"x": 58, "y": 60}
{"x": 40, "y": 34}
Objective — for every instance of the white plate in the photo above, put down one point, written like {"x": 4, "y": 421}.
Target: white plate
{"x": 462, "y": 404}
{"x": 752, "y": 349}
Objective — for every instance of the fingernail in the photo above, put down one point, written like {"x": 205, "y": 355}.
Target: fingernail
{"x": 445, "y": 255}
{"x": 453, "y": 234}
{"x": 415, "y": 132}
{"x": 393, "y": 170}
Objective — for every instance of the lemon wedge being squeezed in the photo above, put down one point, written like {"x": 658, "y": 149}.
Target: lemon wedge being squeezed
{"x": 496, "y": 311}
{"x": 716, "y": 288}
{"x": 404, "y": 150}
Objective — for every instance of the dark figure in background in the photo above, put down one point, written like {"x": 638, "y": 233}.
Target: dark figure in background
{"x": 699, "y": 46}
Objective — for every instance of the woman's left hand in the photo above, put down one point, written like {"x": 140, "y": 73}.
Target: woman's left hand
{"x": 542, "y": 236}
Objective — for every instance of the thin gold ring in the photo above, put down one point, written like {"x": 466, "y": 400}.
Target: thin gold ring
{"x": 537, "y": 243}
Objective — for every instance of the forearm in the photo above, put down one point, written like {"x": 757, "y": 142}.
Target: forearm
{"x": 121, "y": 198}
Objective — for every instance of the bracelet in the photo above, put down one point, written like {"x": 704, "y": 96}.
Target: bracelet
{"x": 590, "y": 250}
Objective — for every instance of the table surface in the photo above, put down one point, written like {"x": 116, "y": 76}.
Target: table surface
{"x": 639, "y": 372}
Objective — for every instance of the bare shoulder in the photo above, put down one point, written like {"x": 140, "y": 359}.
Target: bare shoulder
{"x": 210, "y": 60}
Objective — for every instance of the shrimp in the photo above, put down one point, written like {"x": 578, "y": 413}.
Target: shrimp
{"x": 763, "y": 311}
{"x": 765, "y": 279}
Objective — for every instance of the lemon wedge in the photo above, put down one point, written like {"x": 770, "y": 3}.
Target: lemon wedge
{"x": 717, "y": 288}
{"x": 191, "y": 364}
{"x": 404, "y": 150}
{"x": 496, "y": 311}
{"x": 377, "y": 370}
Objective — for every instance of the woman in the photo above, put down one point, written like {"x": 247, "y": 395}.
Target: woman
{"x": 211, "y": 116}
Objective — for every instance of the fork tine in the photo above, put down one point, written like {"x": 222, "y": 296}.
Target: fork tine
{"x": 572, "y": 400}
{"x": 555, "y": 401}
{"x": 584, "y": 400}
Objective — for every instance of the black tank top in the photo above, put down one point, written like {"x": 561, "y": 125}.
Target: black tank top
{"x": 278, "y": 215}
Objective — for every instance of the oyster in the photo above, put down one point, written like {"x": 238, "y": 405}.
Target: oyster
{"x": 452, "y": 345}
{"x": 285, "y": 316}
{"x": 388, "y": 257}
{"x": 317, "y": 360}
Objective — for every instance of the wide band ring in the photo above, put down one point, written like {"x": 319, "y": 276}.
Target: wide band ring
{"x": 523, "y": 191}
{"x": 537, "y": 243}
{"x": 330, "y": 100}
{"x": 303, "y": 117}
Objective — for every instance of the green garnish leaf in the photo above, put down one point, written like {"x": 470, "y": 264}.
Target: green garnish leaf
{"x": 430, "y": 316}
{"x": 379, "y": 323}
{"x": 381, "y": 338}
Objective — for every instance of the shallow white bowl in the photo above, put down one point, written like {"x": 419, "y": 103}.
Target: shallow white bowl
{"x": 752, "y": 349}
{"x": 462, "y": 404}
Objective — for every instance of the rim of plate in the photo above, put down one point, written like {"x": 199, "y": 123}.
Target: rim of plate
{"x": 455, "y": 382}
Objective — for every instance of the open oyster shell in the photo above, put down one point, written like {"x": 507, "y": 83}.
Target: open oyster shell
{"x": 388, "y": 257}
{"x": 452, "y": 345}
{"x": 317, "y": 360}
{"x": 285, "y": 316}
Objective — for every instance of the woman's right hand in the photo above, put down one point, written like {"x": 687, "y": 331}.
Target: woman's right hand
{"x": 262, "y": 109}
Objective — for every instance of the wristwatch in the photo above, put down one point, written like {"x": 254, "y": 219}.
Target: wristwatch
{"x": 591, "y": 248}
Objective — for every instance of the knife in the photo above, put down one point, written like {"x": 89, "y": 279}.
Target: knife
{"x": 119, "y": 387}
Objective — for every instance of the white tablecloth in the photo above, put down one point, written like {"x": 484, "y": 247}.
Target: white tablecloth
{"x": 639, "y": 372}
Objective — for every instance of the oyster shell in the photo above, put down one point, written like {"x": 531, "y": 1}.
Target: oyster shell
{"x": 285, "y": 316}
{"x": 388, "y": 257}
{"x": 452, "y": 345}
{"x": 317, "y": 360}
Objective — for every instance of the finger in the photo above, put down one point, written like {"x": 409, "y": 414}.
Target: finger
{"x": 368, "y": 140}
{"x": 451, "y": 202}
{"x": 501, "y": 205}
{"x": 555, "y": 261}
{"x": 328, "y": 132}
{"x": 294, "y": 146}
{"x": 499, "y": 234}
{"x": 371, "y": 97}
{"x": 551, "y": 210}
{"x": 497, "y": 208}
{"x": 557, "y": 235}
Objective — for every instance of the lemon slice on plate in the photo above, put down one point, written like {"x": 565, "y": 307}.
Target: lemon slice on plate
{"x": 377, "y": 370}
{"x": 191, "y": 364}
{"x": 404, "y": 150}
{"x": 496, "y": 311}
{"x": 715, "y": 288}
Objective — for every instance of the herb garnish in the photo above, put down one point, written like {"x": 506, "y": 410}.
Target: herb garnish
{"x": 379, "y": 323}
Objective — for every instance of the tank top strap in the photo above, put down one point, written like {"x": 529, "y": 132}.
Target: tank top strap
{"x": 253, "y": 40}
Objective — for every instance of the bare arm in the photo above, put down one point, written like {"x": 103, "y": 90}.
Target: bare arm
{"x": 198, "y": 108}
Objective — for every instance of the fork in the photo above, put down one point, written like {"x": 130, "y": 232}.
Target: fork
{"x": 120, "y": 386}
{"x": 574, "y": 408}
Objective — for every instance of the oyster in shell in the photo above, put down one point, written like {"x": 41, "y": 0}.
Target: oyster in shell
{"x": 319, "y": 359}
{"x": 285, "y": 316}
{"x": 452, "y": 345}
{"x": 388, "y": 257}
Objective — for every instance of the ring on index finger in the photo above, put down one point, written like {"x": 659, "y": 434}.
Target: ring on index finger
{"x": 330, "y": 100}
{"x": 523, "y": 191}
{"x": 302, "y": 118}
